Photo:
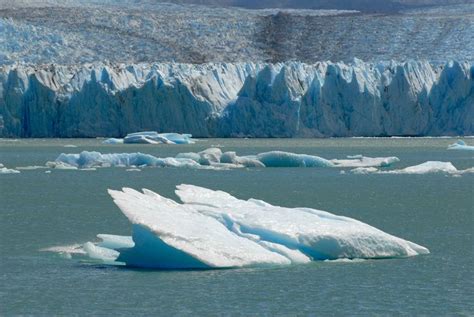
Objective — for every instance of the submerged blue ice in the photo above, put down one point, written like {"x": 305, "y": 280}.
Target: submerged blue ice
{"x": 213, "y": 229}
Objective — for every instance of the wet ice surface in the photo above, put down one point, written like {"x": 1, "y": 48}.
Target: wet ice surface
{"x": 212, "y": 229}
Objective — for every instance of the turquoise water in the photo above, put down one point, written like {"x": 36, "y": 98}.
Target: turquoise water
{"x": 39, "y": 210}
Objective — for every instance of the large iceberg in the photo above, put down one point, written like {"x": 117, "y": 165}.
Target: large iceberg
{"x": 213, "y": 229}
{"x": 290, "y": 99}
{"x": 212, "y": 158}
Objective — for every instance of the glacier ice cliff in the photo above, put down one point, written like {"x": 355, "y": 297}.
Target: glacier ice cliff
{"x": 212, "y": 229}
{"x": 290, "y": 99}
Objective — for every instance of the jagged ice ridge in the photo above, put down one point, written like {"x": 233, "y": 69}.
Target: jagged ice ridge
{"x": 238, "y": 99}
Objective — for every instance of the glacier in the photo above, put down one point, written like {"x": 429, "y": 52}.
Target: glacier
{"x": 212, "y": 158}
{"x": 291, "y": 99}
{"x": 212, "y": 229}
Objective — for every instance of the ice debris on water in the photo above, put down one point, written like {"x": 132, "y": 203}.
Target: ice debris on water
{"x": 212, "y": 229}
{"x": 4, "y": 170}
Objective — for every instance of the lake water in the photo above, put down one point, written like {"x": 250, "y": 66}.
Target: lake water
{"x": 40, "y": 210}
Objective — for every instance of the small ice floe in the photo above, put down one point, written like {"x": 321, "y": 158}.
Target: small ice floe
{"x": 70, "y": 145}
{"x": 30, "y": 168}
{"x": 429, "y": 167}
{"x": 212, "y": 229}
{"x": 152, "y": 137}
{"x": 461, "y": 145}
{"x": 363, "y": 161}
{"x": 113, "y": 141}
{"x": 4, "y": 170}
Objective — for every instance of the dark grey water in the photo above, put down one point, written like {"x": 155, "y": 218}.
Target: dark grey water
{"x": 39, "y": 210}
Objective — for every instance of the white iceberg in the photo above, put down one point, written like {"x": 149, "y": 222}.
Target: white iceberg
{"x": 428, "y": 167}
{"x": 363, "y": 161}
{"x": 113, "y": 141}
{"x": 152, "y": 137}
{"x": 213, "y": 229}
{"x": 461, "y": 145}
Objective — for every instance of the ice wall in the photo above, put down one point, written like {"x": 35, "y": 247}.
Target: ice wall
{"x": 238, "y": 99}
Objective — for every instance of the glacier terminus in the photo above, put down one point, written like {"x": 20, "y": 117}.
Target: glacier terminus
{"x": 291, "y": 99}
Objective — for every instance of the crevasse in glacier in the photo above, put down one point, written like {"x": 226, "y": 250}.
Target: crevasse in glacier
{"x": 238, "y": 99}
{"x": 213, "y": 229}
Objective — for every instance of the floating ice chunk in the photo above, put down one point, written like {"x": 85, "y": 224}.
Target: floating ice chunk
{"x": 4, "y": 170}
{"x": 207, "y": 157}
{"x": 363, "y": 161}
{"x": 152, "y": 137}
{"x": 318, "y": 234}
{"x": 431, "y": 167}
{"x": 247, "y": 161}
{"x": 286, "y": 159}
{"x": 364, "y": 170}
{"x": 461, "y": 145}
{"x": 70, "y": 145}
{"x": 427, "y": 167}
{"x": 424, "y": 168}
{"x": 115, "y": 242}
{"x": 171, "y": 235}
{"x": 105, "y": 255}
{"x": 113, "y": 141}
{"x": 213, "y": 229}
{"x": 33, "y": 167}
{"x": 87, "y": 159}
{"x": 177, "y": 138}
{"x": 60, "y": 165}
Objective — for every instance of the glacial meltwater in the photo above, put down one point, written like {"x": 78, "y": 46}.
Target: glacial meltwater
{"x": 48, "y": 210}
